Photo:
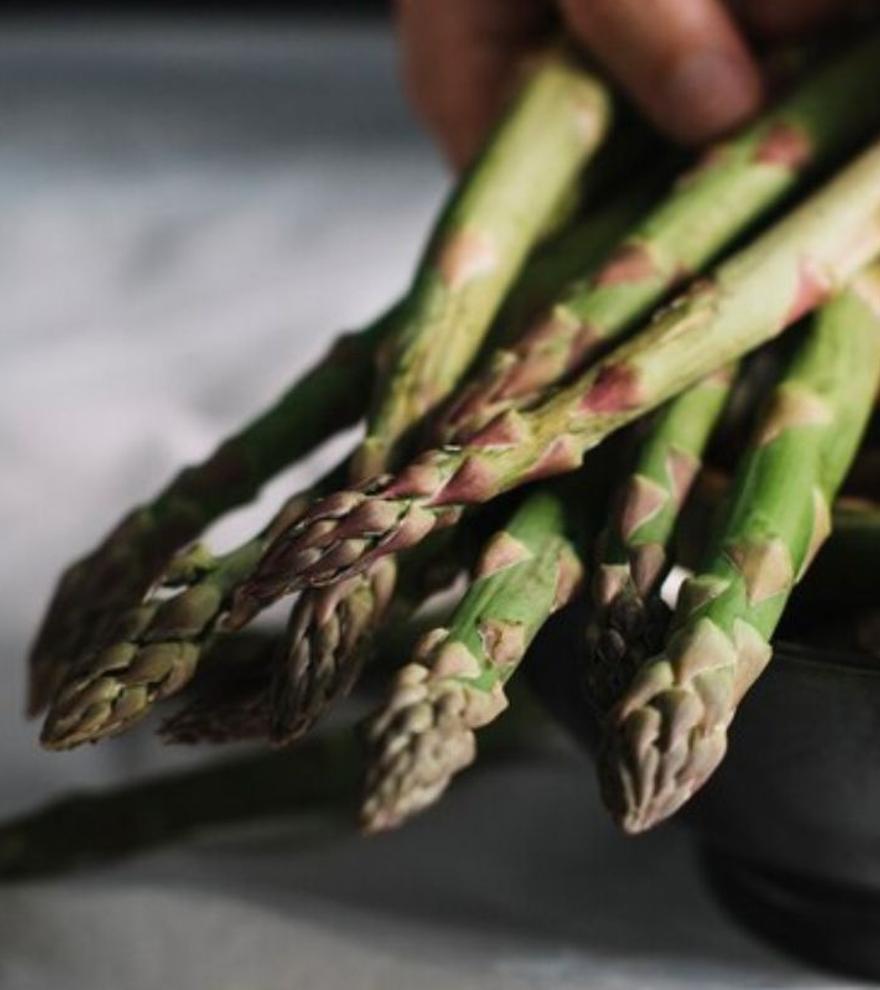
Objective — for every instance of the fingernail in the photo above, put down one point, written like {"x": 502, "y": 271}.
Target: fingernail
{"x": 709, "y": 92}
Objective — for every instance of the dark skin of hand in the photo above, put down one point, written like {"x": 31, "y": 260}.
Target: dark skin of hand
{"x": 687, "y": 63}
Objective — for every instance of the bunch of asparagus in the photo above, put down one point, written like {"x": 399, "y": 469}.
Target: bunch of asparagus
{"x": 547, "y": 316}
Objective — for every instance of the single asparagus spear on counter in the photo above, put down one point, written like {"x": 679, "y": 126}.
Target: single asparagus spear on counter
{"x": 424, "y": 734}
{"x": 669, "y": 732}
{"x": 92, "y": 828}
{"x": 736, "y": 183}
{"x": 153, "y": 649}
{"x": 751, "y": 298}
{"x": 629, "y": 619}
{"x": 130, "y": 559}
{"x": 318, "y": 778}
{"x": 528, "y": 167}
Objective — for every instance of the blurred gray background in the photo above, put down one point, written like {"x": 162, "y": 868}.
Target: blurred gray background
{"x": 191, "y": 210}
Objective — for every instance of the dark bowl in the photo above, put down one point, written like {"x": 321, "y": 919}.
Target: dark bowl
{"x": 789, "y": 826}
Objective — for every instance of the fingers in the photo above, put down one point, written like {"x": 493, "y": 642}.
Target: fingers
{"x": 459, "y": 58}
{"x": 683, "y": 61}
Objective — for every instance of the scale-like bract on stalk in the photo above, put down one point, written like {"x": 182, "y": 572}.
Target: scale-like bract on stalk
{"x": 669, "y": 731}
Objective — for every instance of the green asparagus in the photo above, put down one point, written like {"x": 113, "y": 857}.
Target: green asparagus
{"x": 751, "y": 298}
{"x": 735, "y": 183}
{"x": 424, "y": 734}
{"x": 152, "y": 650}
{"x": 496, "y": 214}
{"x": 572, "y": 111}
{"x": 629, "y": 618}
{"x": 134, "y": 554}
{"x": 669, "y": 731}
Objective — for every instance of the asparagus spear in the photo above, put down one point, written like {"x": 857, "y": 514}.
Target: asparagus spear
{"x": 424, "y": 734}
{"x": 751, "y": 298}
{"x": 840, "y": 578}
{"x": 495, "y": 216}
{"x": 579, "y": 247}
{"x": 324, "y": 647}
{"x": 115, "y": 575}
{"x": 321, "y": 655}
{"x": 152, "y": 650}
{"x": 528, "y": 167}
{"x": 231, "y": 701}
{"x": 669, "y": 731}
{"x": 318, "y": 778}
{"x": 482, "y": 239}
{"x": 629, "y": 617}
{"x": 736, "y": 182}
{"x": 90, "y": 828}
{"x": 474, "y": 256}
{"x": 233, "y": 706}
{"x": 151, "y": 655}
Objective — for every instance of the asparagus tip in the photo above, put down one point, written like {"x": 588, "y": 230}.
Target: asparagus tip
{"x": 648, "y": 770}
{"x": 419, "y": 740}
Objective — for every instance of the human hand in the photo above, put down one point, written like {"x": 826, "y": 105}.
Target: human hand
{"x": 685, "y": 62}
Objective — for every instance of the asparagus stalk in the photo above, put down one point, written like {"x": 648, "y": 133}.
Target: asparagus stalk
{"x": 130, "y": 558}
{"x": 227, "y": 700}
{"x": 555, "y": 264}
{"x": 318, "y": 778}
{"x": 146, "y": 661}
{"x": 424, "y": 734}
{"x": 577, "y": 247}
{"x": 751, "y": 298}
{"x": 91, "y": 828}
{"x": 629, "y": 619}
{"x": 325, "y": 646}
{"x": 115, "y": 575}
{"x": 321, "y": 655}
{"x": 528, "y": 168}
{"x": 841, "y": 577}
{"x": 244, "y": 707}
{"x": 152, "y": 651}
{"x": 736, "y": 183}
{"x": 669, "y": 731}
{"x": 474, "y": 256}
